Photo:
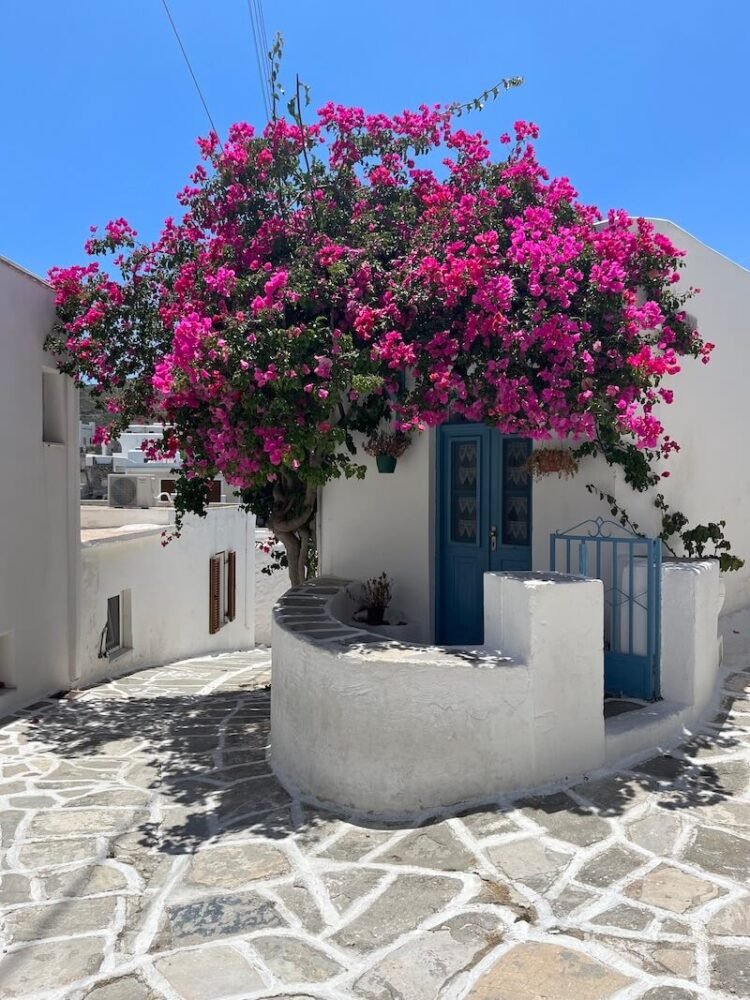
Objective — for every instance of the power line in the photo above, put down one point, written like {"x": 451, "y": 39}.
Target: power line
{"x": 260, "y": 43}
{"x": 190, "y": 68}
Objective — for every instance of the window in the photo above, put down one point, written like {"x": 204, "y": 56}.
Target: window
{"x": 114, "y": 624}
{"x": 516, "y": 491}
{"x": 222, "y": 591}
{"x": 117, "y": 634}
{"x": 53, "y": 407}
{"x": 465, "y": 490}
{"x": 6, "y": 661}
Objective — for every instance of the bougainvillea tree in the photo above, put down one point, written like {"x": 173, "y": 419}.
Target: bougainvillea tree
{"x": 364, "y": 271}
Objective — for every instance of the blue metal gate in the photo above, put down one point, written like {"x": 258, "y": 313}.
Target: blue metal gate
{"x": 629, "y": 566}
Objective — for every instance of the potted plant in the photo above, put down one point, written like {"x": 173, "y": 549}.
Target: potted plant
{"x": 546, "y": 461}
{"x": 387, "y": 447}
{"x": 374, "y": 599}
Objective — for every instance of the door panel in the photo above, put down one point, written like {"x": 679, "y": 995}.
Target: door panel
{"x": 484, "y": 523}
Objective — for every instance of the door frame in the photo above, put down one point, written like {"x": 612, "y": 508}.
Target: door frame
{"x": 496, "y": 451}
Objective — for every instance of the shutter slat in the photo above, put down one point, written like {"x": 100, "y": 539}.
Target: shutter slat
{"x": 231, "y": 585}
{"x": 214, "y": 595}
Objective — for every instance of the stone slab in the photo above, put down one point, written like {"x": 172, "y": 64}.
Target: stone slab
{"x": 673, "y": 889}
{"x": 535, "y": 971}
{"x": 421, "y": 968}
{"x": 233, "y": 866}
{"x": 50, "y": 965}
{"x": 208, "y": 973}
{"x": 292, "y": 960}
{"x": 216, "y": 917}
{"x": 402, "y": 907}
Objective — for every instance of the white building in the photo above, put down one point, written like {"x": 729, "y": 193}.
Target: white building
{"x": 143, "y": 603}
{"x": 86, "y": 429}
{"x": 402, "y": 523}
{"x": 69, "y": 591}
{"x": 39, "y": 486}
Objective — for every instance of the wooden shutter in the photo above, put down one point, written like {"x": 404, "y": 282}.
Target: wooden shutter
{"x": 214, "y": 594}
{"x": 231, "y": 585}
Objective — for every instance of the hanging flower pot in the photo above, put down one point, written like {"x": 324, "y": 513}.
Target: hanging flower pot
{"x": 385, "y": 463}
{"x": 547, "y": 461}
{"x": 386, "y": 447}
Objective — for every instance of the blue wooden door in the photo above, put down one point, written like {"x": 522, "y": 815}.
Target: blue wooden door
{"x": 484, "y": 523}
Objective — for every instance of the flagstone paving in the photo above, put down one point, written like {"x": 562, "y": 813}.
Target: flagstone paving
{"x": 147, "y": 852}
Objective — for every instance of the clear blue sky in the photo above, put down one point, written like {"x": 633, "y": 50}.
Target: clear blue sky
{"x": 644, "y": 105}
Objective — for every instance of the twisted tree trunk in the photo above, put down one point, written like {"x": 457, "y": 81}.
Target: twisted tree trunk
{"x": 293, "y": 519}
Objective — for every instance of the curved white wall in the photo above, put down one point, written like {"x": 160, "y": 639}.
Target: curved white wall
{"x": 394, "y": 728}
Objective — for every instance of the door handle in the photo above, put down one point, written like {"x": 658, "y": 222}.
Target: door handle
{"x": 493, "y": 538}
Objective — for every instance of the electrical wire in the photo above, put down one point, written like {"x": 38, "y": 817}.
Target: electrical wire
{"x": 260, "y": 44}
{"x": 190, "y": 68}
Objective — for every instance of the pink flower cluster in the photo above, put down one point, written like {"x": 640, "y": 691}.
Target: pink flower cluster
{"x": 287, "y": 305}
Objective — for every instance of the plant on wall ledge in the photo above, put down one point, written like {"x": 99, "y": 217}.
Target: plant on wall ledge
{"x": 375, "y": 596}
{"x": 704, "y": 541}
{"x": 547, "y": 461}
{"x": 387, "y": 447}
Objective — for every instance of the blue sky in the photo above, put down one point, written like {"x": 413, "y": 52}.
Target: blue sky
{"x": 642, "y": 104}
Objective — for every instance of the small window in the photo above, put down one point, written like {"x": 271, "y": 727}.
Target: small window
{"x": 53, "y": 408}
{"x": 222, "y": 592}
{"x": 6, "y": 662}
{"x": 114, "y": 624}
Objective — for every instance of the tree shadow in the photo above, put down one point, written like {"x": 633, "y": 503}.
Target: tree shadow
{"x": 207, "y": 757}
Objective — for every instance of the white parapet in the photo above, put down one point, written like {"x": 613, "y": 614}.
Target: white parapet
{"x": 392, "y": 728}
{"x": 690, "y": 605}
{"x": 553, "y": 623}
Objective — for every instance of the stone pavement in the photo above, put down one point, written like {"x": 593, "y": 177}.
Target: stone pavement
{"x": 147, "y": 852}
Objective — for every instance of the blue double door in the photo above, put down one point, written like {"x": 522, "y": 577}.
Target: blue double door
{"x": 484, "y": 523}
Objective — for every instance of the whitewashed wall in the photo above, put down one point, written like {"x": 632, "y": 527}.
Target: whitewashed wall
{"x": 38, "y": 502}
{"x": 168, "y": 588}
{"x": 396, "y": 729}
{"x": 386, "y": 522}
{"x": 268, "y": 589}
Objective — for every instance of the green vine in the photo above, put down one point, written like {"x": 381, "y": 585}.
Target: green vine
{"x": 704, "y": 541}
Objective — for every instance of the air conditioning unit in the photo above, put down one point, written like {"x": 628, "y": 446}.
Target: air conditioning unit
{"x": 130, "y": 491}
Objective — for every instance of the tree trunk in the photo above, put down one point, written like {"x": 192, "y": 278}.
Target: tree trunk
{"x": 293, "y": 520}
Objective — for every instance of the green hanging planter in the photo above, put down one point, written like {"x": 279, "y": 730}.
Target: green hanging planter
{"x": 386, "y": 463}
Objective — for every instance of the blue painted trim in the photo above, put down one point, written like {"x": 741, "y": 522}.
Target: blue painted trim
{"x": 625, "y": 672}
{"x": 491, "y": 465}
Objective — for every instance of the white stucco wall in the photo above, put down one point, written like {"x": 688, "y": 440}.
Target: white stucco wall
{"x": 268, "y": 589}
{"x": 386, "y": 522}
{"x": 398, "y": 728}
{"x": 168, "y": 588}
{"x": 395, "y": 728}
{"x": 38, "y": 502}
